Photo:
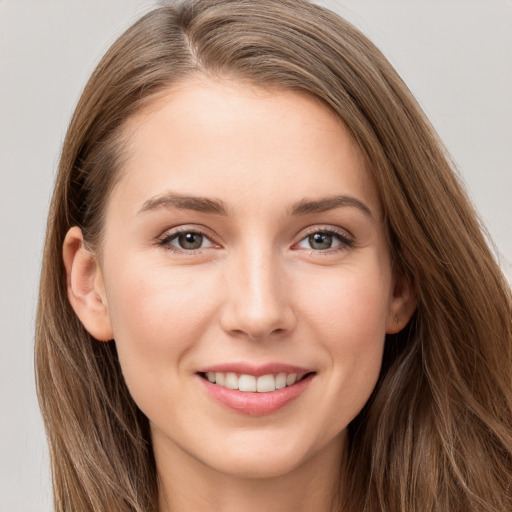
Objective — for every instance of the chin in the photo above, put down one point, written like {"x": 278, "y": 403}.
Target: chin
{"x": 256, "y": 466}
{"x": 267, "y": 457}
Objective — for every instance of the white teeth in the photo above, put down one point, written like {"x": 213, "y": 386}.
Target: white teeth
{"x": 250, "y": 383}
{"x": 247, "y": 383}
{"x": 265, "y": 383}
{"x": 280, "y": 380}
{"x": 291, "y": 379}
{"x": 231, "y": 381}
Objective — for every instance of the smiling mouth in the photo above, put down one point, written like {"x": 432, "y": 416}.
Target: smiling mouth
{"x": 250, "y": 383}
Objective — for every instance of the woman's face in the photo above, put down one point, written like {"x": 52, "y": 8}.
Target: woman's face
{"x": 245, "y": 237}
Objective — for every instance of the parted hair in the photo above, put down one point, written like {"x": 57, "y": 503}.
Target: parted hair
{"x": 436, "y": 434}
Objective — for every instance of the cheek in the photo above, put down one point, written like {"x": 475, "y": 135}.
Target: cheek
{"x": 352, "y": 304}
{"x": 356, "y": 324}
{"x": 155, "y": 299}
{"x": 349, "y": 321}
{"x": 157, "y": 317}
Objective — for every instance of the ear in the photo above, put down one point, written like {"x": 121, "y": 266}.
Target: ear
{"x": 86, "y": 291}
{"x": 402, "y": 306}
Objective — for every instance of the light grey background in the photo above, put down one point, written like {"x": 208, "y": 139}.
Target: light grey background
{"x": 455, "y": 55}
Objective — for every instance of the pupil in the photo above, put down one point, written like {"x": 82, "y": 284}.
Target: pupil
{"x": 190, "y": 240}
{"x": 320, "y": 241}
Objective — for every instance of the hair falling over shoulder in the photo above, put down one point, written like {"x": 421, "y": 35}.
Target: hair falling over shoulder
{"x": 436, "y": 434}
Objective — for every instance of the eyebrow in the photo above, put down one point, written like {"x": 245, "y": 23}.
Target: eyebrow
{"x": 198, "y": 204}
{"x": 306, "y": 207}
{"x": 217, "y": 207}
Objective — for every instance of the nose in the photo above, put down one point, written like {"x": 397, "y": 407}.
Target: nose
{"x": 257, "y": 305}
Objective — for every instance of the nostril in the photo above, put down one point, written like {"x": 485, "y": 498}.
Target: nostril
{"x": 256, "y": 336}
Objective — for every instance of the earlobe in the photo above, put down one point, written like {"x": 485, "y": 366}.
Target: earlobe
{"x": 86, "y": 290}
{"x": 402, "y": 306}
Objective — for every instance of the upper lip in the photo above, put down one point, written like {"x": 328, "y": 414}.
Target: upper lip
{"x": 256, "y": 370}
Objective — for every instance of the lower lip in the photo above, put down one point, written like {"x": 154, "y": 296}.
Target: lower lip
{"x": 256, "y": 404}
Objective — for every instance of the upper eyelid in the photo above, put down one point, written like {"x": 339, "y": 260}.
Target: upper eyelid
{"x": 200, "y": 230}
{"x": 319, "y": 228}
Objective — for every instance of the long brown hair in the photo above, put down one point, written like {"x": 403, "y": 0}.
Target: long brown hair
{"x": 436, "y": 435}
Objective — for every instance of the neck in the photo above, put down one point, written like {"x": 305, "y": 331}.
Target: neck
{"x": 187, "y": 484}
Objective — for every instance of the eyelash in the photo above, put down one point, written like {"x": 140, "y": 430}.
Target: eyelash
{"x": 345, "y": 241}
{"x": 166, "y": 239}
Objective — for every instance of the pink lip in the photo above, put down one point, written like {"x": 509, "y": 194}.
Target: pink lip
{"x": 256, "y": 370}
{"x": 256, "y": 404}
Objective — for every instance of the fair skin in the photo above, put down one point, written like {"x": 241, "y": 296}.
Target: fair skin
{"x": 244, "y": 231}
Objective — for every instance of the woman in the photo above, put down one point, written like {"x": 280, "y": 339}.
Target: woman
{"x": 263, "y": 286}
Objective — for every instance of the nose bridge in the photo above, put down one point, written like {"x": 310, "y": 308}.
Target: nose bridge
{"x": 257, "y": 300}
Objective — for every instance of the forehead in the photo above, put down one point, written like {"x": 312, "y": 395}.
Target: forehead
{"x": 231, "y": 140}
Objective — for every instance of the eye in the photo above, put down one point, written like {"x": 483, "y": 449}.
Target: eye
{"x": 323, "y": 240}
{"x": 186, "y": 241}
